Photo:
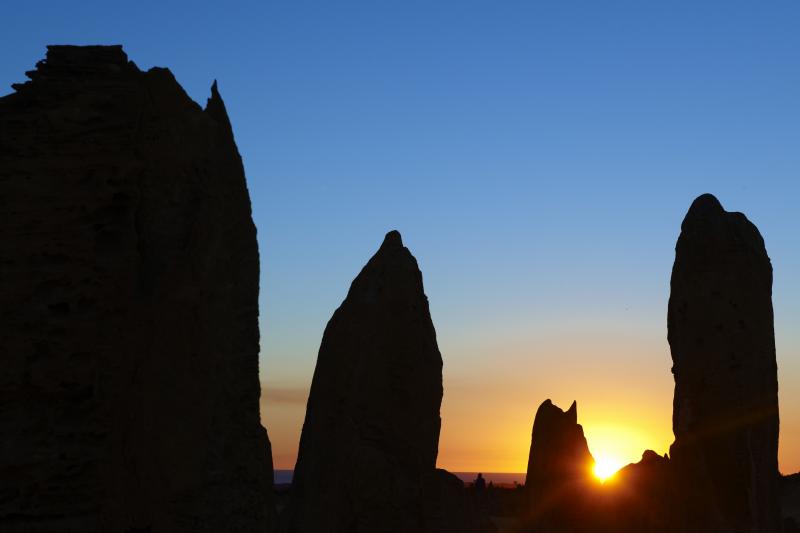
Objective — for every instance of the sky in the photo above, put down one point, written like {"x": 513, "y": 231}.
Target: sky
{"x": 537, "y": 157}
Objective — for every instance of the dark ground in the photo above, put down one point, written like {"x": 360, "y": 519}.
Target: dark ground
{"x": 501, "y": 504}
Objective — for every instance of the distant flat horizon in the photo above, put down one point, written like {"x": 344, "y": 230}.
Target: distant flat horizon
{"x": 284, "y": 477}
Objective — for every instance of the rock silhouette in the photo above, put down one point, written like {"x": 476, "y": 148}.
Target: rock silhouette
{"x": 725, "y": 416}
{"x": 369, "y": 442}
{"x": 129, "y": 279}
{"x": 559, "y": 472}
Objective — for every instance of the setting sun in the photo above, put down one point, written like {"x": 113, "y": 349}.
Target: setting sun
{"x": 605, "y": 467}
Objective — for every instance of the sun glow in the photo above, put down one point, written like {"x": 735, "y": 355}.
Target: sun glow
{"x": 605, "y": 467}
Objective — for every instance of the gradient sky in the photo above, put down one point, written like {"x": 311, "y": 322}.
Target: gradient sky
{"x": 538, "y": 158}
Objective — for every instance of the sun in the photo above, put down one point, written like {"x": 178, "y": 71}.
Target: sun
{"x": 605, "y": 467}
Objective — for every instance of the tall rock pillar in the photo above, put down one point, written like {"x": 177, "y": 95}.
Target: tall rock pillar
{"x": 369, "y": 442}
{"x": 129, "y": 299}
{"x": 725, "y": 413}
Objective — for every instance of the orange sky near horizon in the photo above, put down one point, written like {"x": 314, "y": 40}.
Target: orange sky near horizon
{"x": 624, "y": 397}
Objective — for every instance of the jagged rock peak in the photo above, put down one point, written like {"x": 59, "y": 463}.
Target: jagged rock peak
{"x": 558, "y": 446}
{"x": 559, "y": 468}
{"x": 89, "y": 62}
{"x": 573, "y": 412}
{"x": 548, "y": 411}
{"x": 215, "y": 108}
{"x": 72, "y": 55}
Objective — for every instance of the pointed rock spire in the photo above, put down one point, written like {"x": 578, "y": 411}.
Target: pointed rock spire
{"x": 215, "y": 108}
{"x": 572, "y": 412}
{"x": 371, "y": 431}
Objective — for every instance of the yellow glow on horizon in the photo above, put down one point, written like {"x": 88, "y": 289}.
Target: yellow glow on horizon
{"x": 605, "y": 467}
{"x": 618, "y": 444}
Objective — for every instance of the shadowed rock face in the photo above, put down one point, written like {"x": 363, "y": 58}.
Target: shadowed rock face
{"x": 371, "y": 432}
{"x": 559, "y": 471}
{"x": 129, "y": 286}
{"x": 725, "y": 413}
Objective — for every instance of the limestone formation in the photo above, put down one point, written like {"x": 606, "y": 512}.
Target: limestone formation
{"x": 725, "y": 413}
{"x": 129, "y": 285}
{"x": 371, "y": 432}
{"x": 559, "y": 471}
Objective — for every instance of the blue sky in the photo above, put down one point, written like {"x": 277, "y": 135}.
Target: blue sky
{"x": 537, "y": 157}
